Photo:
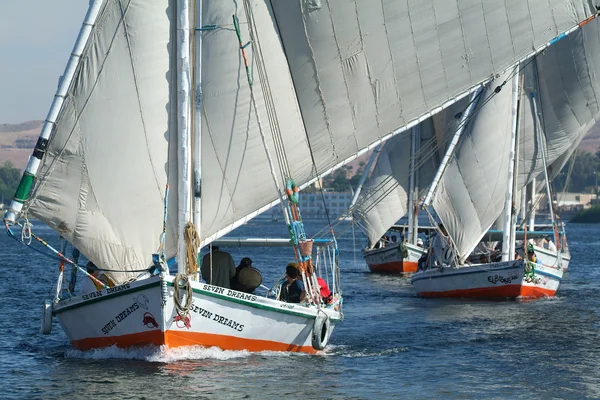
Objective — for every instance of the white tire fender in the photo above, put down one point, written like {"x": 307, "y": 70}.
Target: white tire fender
{"x": 321, "y": 331}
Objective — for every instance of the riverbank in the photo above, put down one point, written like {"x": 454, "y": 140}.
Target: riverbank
{"x": 588, "y": 216}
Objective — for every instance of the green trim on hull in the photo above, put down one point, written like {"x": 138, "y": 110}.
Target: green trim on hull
{"x": 199, "y": 291}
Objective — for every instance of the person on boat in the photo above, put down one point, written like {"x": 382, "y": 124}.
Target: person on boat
{"x": 442, "y": 247}
{"x": 88, "y": 285}
{"x": 326, "y": 296}
{"x": 419, "y": 242}
{"x": 292, "y": 290}
{"x": 394, "y": 239}
{"x": 531, "y": 254}
{"x": 551, "y": 245}
{"x": 218, "y": 268}
{"x": 235, "y": 281}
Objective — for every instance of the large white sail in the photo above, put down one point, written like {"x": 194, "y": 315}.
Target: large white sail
{"x": 362, "y": 69}
{"x": 103, "y": 180}
{"x": 472, "y": 191}
{"x": 564, "y": 82}
{"x": 328, "y": 90}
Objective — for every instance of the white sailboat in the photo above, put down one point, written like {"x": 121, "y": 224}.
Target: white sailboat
{"x": 158, "y": 130}
{"x": 468, "y": 205}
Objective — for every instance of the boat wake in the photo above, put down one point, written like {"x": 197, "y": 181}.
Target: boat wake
{"x": 164, "y": 354}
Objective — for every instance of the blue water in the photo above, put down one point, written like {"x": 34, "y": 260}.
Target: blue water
{"x": 390, "y": 345}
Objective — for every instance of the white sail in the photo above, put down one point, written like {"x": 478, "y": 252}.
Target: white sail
{"x": 384, "y": 199}
{"x": 103, "y": 180}
{"x": 324, "y": 84}
{"x": 471, "y": 194}
{"x": 566, "y": 89}
{"x": 362, "y": 69}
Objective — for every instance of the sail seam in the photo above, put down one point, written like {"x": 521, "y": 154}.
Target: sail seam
{"x": 318, "y": 82}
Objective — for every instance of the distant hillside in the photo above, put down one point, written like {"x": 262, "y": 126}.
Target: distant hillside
{"x": 591, "y": 141}
{"x": 17, "y": 142}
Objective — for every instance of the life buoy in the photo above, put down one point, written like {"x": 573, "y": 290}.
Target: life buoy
{"x": 321, "y": 331}
{"x": 292, "y": 191}
{"x": 46, "y": 318}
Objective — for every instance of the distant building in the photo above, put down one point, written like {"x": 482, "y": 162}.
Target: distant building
{"x": 569, "y": 201}
{"x": 311, "y": 205}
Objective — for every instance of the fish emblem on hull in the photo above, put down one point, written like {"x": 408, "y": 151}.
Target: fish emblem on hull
{"x": 149, "y": 320}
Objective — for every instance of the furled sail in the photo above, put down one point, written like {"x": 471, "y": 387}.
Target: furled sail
{"x": 102, "y": 183}
{"x": 472, "y": 191}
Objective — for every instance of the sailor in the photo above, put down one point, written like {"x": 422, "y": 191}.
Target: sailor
{"x": 218, "y": 268}
{"x": 292, "y": 289}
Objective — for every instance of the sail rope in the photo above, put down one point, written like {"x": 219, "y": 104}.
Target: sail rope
{"x": 182, "y": 287}
{"x": 192, "y": 244}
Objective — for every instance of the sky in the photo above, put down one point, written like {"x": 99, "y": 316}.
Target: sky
{"x": 36, "y": 39}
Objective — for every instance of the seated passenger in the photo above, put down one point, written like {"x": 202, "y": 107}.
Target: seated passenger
{"x": 292, "y": 290}
{"x": 531, "y": 254}
{"x": 326, "y": 295}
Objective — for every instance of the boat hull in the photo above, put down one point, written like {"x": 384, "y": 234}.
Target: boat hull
{"x": 388, "y": 260}
{"x": 552, "y": 258}
{"x": 133, "y": 315}
{"x": 495, "y": 280}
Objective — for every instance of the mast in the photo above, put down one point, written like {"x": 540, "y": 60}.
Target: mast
{"x": 197, "y": 113}
{"x": 412, "y": 220}
{"x": 26, "y": 184}
{"x": 507, "y": 236}
{"x": 451, "y": 147}
{"x": 364, "y": 175}
{"x": 539, "y": 134}
{"x": 532, "y": 205}
{"x": 183, "y": 128}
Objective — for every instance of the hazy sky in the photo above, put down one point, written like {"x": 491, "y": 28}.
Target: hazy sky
{"x": 36, "y": 39}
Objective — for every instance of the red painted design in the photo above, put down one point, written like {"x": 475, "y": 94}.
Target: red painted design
{"x": 149, "y": 320}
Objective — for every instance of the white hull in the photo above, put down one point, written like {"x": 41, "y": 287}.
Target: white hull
{"x": 495, "y": 280}
{"x": 389, "y": 259}
{"x": 132, "y": 315}
{"x": 551, "y": 258}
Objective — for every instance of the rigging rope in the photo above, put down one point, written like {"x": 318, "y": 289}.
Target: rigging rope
{"x": 182, "y": 282}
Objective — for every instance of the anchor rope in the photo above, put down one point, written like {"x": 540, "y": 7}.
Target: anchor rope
{"x": 182, "y": 282}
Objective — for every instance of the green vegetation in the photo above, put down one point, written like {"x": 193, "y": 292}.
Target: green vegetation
{"x": 9, "y": 180}
{"x": 584, "y": 177}
{"x": 591, "y": 215}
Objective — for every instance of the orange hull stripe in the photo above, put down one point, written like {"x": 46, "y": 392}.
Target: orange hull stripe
{"x": 498, "y": 292}
{"x": 180, "y": 338}
{"x": 395, "y": 267}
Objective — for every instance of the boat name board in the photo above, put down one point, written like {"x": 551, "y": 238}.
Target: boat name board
{"x": 229, "y": 293}
{"x": 120, "y": 317}
{"x": 504, "y": 280}
{"x": 109, "y": 290}
{"x": 236, "y": 326}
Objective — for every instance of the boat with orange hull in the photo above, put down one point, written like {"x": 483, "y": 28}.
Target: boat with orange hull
{"x": 511, "y": 279}
{"x": 129, "y": 315}
{"x": 390, "y": 260}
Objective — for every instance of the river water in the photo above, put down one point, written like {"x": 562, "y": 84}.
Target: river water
{"x": 391, "y": 344}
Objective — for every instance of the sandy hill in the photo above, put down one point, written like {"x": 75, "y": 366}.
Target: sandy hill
{"x": 17, "y": 142}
